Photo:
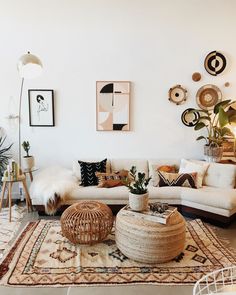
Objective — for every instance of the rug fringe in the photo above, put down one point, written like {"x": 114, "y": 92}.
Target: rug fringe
{"x": 224, "y": 241}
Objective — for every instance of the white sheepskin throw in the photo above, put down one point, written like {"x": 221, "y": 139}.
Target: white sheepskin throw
{"x": 54, "y": 185}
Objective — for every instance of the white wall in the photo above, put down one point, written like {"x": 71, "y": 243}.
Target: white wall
{"x": 153, "y": 43}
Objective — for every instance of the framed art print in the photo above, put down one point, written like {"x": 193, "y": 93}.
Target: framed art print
{"x": 113, "y": 105}
{"x": 41, "y": 107}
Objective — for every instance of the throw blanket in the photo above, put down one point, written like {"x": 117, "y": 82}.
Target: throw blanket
{"x": 53, "y": 185}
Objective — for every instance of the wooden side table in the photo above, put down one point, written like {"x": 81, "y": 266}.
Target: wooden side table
{"x": 9, "y": 184}
{"x": 30, "y": 172}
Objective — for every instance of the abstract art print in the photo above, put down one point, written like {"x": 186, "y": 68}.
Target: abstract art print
{"x": 113, "y": 104}
{"x": 41, "y": 107}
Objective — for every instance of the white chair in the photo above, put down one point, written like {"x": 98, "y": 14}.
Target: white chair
{"x": 222, "y": 281}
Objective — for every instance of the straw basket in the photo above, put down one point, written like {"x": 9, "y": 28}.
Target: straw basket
{"x": 87, "y": 222}
{"x": 148, "y": 241}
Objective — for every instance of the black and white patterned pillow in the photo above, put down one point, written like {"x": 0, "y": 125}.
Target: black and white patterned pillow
{"x": 88, "y": 170}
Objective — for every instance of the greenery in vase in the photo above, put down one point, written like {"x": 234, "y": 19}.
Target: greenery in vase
{"x": 5, "y": 156}
{"x": 26, "y": 147}
{"x": 136, "y": 182}
{"x": 216, "y": 123}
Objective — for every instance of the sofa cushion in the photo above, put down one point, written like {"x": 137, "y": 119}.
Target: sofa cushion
{"x": 76, "y": 166}
{"x": 220, "y": 175}
{"x": 95, "y": 193}
{"x": 210, "y": 196}
{"x": 112, "y": 179}
{"x": 187, "y": 166}
{"x": 122, "y": 193}
{"x": 165, "y": 192}
{"x": 88, "y": 172}
{"x": 126, "y": 164}
{"x": 154, "y": 164}
{"x": 177, "y": 179}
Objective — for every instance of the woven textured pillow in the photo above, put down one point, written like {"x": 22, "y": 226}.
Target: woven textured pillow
{"x": 176, "y": 179}
{"x": 111, "y": 179}
{"x": 88, "y": 171}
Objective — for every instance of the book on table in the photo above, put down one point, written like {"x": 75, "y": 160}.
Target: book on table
{"x": 150, "y": 215}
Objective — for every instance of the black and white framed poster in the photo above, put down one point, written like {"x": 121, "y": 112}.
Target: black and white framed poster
{"x": 41, "y": 107}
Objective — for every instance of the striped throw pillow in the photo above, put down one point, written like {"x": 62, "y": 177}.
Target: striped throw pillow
{"x": 111, "y": 179}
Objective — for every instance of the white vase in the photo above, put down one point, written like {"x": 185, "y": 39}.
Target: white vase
{"x": 28, "y": 162}
{"x": 138, "y": 202}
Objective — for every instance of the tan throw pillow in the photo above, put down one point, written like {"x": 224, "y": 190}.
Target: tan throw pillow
{"x": 111, "y": 179}
{"x": 167, "y": 168}
{"x": 177, "y": 179}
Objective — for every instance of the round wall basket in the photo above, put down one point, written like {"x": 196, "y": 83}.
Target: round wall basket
{"x": 208, "y": 96}
{"x": 215, "y": 63}
{"x": 177, "y": 94}
{"x": 190, "y": 117}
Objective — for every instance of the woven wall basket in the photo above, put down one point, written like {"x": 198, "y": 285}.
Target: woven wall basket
{"x": 87, "y": 222}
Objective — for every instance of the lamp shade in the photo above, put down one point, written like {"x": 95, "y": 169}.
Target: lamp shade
{"x": 29, "y": 66}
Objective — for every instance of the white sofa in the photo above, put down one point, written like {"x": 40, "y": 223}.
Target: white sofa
{"x": 216, "y": 199}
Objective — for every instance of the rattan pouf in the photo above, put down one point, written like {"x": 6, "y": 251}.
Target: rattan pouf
{"x": 148, "y": 241}
{"x": 86, "y": 222}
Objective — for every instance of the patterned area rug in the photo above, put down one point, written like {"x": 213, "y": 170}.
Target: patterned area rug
{"x": 41, "y": 256}
{"x": 9, "y": 229}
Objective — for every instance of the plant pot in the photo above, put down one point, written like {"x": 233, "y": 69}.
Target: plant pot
{"x": 213, "y": 153}
{"x": 138, "y": 202}
{"x": 28, "y": 162}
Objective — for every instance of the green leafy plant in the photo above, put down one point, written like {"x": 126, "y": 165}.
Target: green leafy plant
{"x": 5, "y": 155}
{"x": 216, "y": 123}
{"x": 26, "y": 147}
{"x": 136, "y": 182}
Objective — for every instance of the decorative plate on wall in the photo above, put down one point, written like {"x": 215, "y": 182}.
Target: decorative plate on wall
{"x": 196, "y": 77}
{"x": 190, "y": 117}
{"x": 208, "y": 96}
{"x": 215, "y": 63}
{"x": 177, "y": 94}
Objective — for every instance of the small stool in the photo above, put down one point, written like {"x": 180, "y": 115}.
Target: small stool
{"x": 9, "y": 184}
{"x": 30, "y": 172}
{"x": 86, "y": 222}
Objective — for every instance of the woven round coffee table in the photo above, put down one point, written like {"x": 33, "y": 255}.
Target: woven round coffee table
{"x": 87, "y": 222}
{"x": 148, "y": 241}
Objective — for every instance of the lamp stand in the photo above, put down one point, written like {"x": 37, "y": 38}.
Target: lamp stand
{"x": 19, "y": 122}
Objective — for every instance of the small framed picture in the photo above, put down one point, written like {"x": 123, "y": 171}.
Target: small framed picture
{"x": 41, "y": 107}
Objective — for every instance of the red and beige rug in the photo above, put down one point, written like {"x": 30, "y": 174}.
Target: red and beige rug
{"x": 42, "y": 257}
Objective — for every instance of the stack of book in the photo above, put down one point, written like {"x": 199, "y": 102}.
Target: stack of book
{"x": 12, "y": 172}
{"x": 150, "y": 215}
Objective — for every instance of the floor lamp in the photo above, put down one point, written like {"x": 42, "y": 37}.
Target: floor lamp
{"x": 29, "y": 66}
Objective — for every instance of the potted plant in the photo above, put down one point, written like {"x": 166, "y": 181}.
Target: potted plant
{"x": 4, "y": 156}
{"x": 137, "y": 185}
{"x": 216, "y": 122}
{"x": 28, "y": 161}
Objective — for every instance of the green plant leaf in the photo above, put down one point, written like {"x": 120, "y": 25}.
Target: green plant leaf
{"x": 199, "y": 126}
{"x": 201, "y": 137}
{"x": 226, "y": 132}
{"x": 223, "y": 117}
{"x": 221, "y": 104}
